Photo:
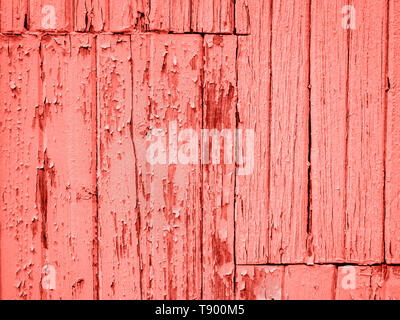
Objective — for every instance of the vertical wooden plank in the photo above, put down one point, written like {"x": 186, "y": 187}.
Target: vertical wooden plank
{"x": 68, "y": 163}
{"x": 13, "y": 16}
{"x": 51, "y": 15}
{"x": 244, "y": 19}
{"x": 392, "y": 222}
{"x": 213, "y": 16}
{"x": 259, "y": 283}
{"x": 289, "y": 131}
{"x": 171, "y": 16}
{"x": 219, "y": 113}
{"x": 366, "y": 133}
{"x": 128, "y": 15}
{"x": 329, "y": 63}
{"x": 166, "y": 137}
{"x": 91, "y": 15}
{"x": 309, "y": 282}
{"x": 252, "y": 216}
{"x": 20, "y": 219}
{"x": 119, "y": 268}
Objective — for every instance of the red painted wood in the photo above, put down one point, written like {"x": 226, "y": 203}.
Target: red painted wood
{"x": 392, "y": 204}
{"x": 309, "y": 282}
{"x": 359, "y": 283}
{"x": 329, "y": 114}
{"x": 13, "y": 16}
{"x": 91, "y": 15}
{"x": 67, "y": 173}
{"x": 219, "y": 112}
{"x": 51, "y": 15}
{"x": 288, "y": 196}
{"x": 253, "y": 222}
{"x": 167, "y": 97}
{"x": 366, "y": 134}
{"x": 213, "y": 16}
{"x": 119, "y": 267}
{"x": 173, "y": 15}
{"x": 259, "y": 282}
{"x": 80, "y": 109}
{"x": 21, "y": 205}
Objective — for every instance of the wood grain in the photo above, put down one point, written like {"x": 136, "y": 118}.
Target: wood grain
{"x": 219, "y": 113}
{"x": 13, "y": 16}
{"x": 289, "y": 132}
{"x": 167, "y": 108}
{"x": 67, "y": 173}
{"x": 119, "y": 221}
{"x": 254, "y": 102}
{"x": 329, "y": 114}
{"x": 366, "y": 134}
{"x": 392, "y": 204}
{"x": 21, "y": 205}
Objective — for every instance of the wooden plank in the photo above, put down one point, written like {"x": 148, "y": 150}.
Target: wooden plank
{"x": 213, "y": 16}
{"x": 166, "y": 136}
{"x": 119, "y": 267}
{"x": 244, "y": 19}
{"x": 391, "y": 283}
{"x": 91, "y": 15}
{"x": 13, "y": 16}
{"x": 366, "y": 134}
{"x": 171, "y": 16}
{"x": 128, "y": 15}
{"x": 259, "y": 282}
{"x": 329, "y": 71}
{"x": 68, "y": 163}
{"x": 360, "y": 283}
{"x": 51, "y": 15}
{"x": 309, "y": 282}
{"x": 392, "y": 221}
{"x": 20, "y": 219}
{"x": 289, "y": 131}
{"x": 219, "y": 113}
{"x": 252, "y": 217}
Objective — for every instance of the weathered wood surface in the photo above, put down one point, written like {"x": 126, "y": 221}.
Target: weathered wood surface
{"x": 126, "y": 171}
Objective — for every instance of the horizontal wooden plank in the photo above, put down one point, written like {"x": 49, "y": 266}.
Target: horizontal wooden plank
{"x": 259, "y": 282}
{"x": 309, "y": 282}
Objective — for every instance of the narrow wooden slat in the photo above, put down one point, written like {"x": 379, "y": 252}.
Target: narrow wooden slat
{"x": 329, "y": 64}
{"x": 51, "y": 15}
{"x": 171, "y": 16}
{"x": 119, "y": 267}
{"x": 91, "y": 15}
{"x": 244, "y": 18}
{"x": 309, "y": 282}
{"x": 68, "y": 163}
{"x": 366, "y": 134}
{"x": 13, "y": 16}
{"x": 259, "y": 283}
{"x": 213, "y": 16}
{"x": 392, "y": 222}
{"x": 20, "y": 219}
{"x": 167, "y": 110}
{"x": 252, "y": 216}
{"x": 219, "y": 113}
{"x": 289, "y": 131}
